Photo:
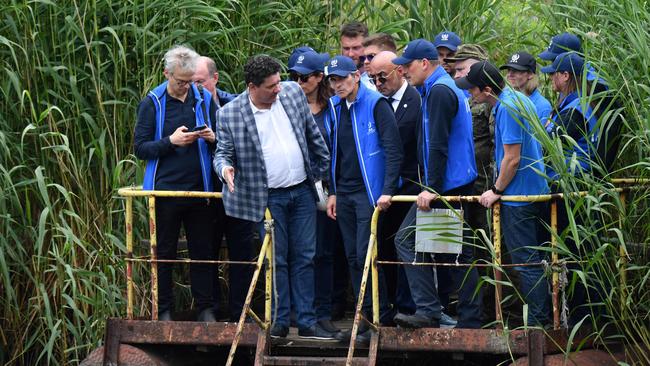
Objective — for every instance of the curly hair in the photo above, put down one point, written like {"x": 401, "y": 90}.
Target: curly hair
{"x": 259, "y": 67}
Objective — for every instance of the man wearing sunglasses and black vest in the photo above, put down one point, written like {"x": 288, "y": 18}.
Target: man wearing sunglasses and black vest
{"x": 405, "y": 101}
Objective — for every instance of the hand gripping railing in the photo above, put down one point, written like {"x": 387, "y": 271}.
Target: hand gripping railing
{"x": 371, "y": 261}
{"x": 265, "y": 258}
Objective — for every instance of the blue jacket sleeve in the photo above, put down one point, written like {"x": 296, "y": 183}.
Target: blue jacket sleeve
{"x": 442, "y": 105}
{"x": 145, "y": 145}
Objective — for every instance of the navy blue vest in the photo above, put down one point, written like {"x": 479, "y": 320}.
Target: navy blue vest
{"x": 366, "y": 137}
{"x": 586, "y": 145}
{"x": 159, "y": 97}
{"x": 461, "y": 162}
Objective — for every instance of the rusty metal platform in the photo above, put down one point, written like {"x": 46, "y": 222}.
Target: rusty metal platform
{"x": 391, "y": 340}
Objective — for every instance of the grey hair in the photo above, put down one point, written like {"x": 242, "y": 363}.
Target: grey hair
{"x": 180, "y": 57}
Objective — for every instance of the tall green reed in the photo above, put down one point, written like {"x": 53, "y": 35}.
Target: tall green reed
{"x": 73, "y": 73}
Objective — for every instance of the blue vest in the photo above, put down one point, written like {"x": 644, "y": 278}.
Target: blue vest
{"x": 159, "y": 98}
{"x": 366, "y": 137}
{"x": 461, "y": 162}
{"x": 586, "y": 145}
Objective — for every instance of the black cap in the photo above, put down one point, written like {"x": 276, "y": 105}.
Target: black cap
{"x": 521, "y": 61}
{"x": 481, "y": 74}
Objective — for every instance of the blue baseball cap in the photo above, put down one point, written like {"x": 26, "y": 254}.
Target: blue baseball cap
{"x": 567, "y": 61}
{"x": 340, "y": 66}
{"x": 417, "y": 50}
{"x": 561, "y": 43}
{"x": 448, "y": 40}
{"x": 296, "y": 53}
{"x": 310, "y": 62}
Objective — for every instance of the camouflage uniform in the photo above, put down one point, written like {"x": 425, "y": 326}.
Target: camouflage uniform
{"x": 483, "y": 124}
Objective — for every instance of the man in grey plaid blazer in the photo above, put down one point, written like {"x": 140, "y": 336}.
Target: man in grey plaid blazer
{"x": 265, "y": 139}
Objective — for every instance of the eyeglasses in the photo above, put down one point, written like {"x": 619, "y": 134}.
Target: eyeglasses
{"x": 382, "y": 79}
{"x": 363, "y": 58}
{"x": 294, "y": 76}
{"x": 181, "y": 82}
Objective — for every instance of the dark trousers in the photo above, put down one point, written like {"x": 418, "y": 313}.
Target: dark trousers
{"x": 388, "y": 225}
{"x": 421, "y": 278}
{"x": 353, "y": 215}
{"x": 239, "y": 238}
{"x": 197, "y": 217}
{"x": 327, "y": 237}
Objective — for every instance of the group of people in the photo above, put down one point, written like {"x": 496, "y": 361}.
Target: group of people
{"x": 342, "y": 136}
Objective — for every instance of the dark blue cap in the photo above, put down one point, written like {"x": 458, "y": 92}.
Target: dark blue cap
{"x": 297, "y": 52}
{"x": 567, "y": 61}
{"x": 417, "y": 50}
{"x": 309, "y": 62}
{"x": 561, "y": 43}
{"x": 340, "y": 66}
{"x": 448, "y": 40}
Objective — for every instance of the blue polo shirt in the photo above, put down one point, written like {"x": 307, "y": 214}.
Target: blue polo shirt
{"x": 513, "y": 128}
{"x": 542, "y": 105}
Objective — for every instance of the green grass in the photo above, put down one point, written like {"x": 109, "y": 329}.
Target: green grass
{"x": 73, "y": 72}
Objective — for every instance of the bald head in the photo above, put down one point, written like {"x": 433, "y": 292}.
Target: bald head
{"x": 388, "y": 76}
{"x": 206, "y": 74}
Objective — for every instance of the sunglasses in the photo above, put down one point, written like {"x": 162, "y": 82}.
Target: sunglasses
{"x": 363, "y": 58}
{"x": 294, "y": 76}
{"x": 380, "y": 78}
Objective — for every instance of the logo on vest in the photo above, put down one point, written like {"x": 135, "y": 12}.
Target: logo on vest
{"x": 444, "y": 37}
{"x": 514, "y": 58}
{"x": 371, "y": 128}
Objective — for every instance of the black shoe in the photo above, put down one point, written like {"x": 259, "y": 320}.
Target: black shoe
{"x": 316, "y": 332}
{"x": 206, "y": 315}
{"x": 328, "y": 326}
{"x": 279, "y": 331}
{"x": 415, "y": 321}
{"x": 344, "y": 336}
{"x": 446, "y": 321}
{"x": 165, "y": 316}
{"x": 363, "y": 339}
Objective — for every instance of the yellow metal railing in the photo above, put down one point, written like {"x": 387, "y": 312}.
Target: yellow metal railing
{"x": 265, "y": 258}
{"x": 371, "y": 261}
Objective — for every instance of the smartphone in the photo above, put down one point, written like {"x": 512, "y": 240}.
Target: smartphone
{"x": 199, "y": 128}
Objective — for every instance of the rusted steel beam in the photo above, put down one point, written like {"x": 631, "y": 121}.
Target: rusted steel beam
{"x": 362, "y": 289}
{"x": 496, "y": 223}
{"x": 555, "y": 260}
{"x": 184, "y": 333}
{"x": 262, "y": 347}
{"x": 536, "y": 345}
{"x": 373, "y": 349}
{"x": 313, "y": 361}
{"x": 129, "y": 255}
{"x": 453, "y": 340}
{"x": 112, "y": 343}
{"x": 154, "y": 255}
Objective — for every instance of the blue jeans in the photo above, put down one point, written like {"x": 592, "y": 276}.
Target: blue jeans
{"x": 521, "y": 228}
{"x": 294, "y": 216}
{"x": 421, "y": 278}
{"x": 353, "y": 214}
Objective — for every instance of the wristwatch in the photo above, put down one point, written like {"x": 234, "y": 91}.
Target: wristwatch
{"x": 495, "y": 190}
